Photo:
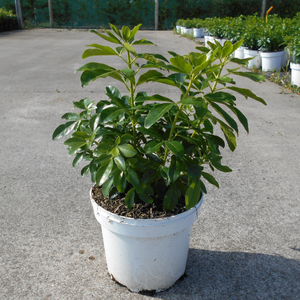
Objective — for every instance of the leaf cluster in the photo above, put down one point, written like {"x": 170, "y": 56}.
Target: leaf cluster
{"x": 150, "y": 147}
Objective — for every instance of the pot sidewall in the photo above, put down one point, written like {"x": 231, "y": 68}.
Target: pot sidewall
{"x": 271, "y": 60}
{"x": 146, "y": 254}
{"x": 256, "y": 61}
{"x": 295, "y": 74}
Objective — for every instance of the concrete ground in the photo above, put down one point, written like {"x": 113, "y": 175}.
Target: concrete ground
{"x": 245, "y": 244}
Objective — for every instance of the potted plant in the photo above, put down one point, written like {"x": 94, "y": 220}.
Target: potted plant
{"x": 148, "y": 154}
{"x": 293, "y": 48}
{"x": 179, "y": 25}
{"x": 252, "y": 33}
{"x": 198, "y": 28}
{"x": 188, "y": 25}
{"x": 271, "y": 44}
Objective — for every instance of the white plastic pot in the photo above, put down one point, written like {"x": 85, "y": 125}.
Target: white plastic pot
{"x": 285, "y": 58}
{"x": 295, "y": 74}
{"x": 239, "y": 52}
{"x": 208, "y": 38}
{"x": 198, "y": 32}
{"x": 146, "y": 254}
{"x": 189, "y": 31}
{"x": 178, "y": 28}
{"x": 256, "y": 61}
{"x": 183, "y": 29}
{"x": 271, "y": 60}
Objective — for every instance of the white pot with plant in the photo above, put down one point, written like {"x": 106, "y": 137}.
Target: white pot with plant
{"x": 271, "y": 45}
{"x": 294, "y": 51}
{"x": 148, "y": 154}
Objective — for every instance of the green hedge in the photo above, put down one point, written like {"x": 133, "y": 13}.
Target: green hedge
{"x": 8, "y": 20}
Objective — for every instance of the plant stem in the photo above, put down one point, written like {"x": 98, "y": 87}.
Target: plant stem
{"x": 176, "y": 117}
{"x": 129, "y": 61}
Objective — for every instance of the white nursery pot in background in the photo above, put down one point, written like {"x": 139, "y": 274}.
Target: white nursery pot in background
{"x": 271, "y": 60}
{"x": 198, "y": 32}
{"x": 183, "y": 29}
{"x": 146, "y": 254}
{"x": 256, "y": 61}
{"x": 189, "y": 31}
{"x": 295, "y": 74}
{"x": 285, "y": 58}
{"x": 239, "y": 52}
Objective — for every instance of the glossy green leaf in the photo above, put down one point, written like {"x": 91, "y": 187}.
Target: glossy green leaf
{"x": 111, "y": 38}
{"x": 156, "y": 113}
{"x": 175, "y": 147}
{"x": 132, "y": 177}
{"x": 78, "y": 158}
{"x": 99, "y": 50}
{"x": 120, "y": 162}
{"x": 171, "y": 198}
{"x": 134, "y": 31}
{"x": 150, "y": 132}
{"x": 115, "y": 152}
{"x": 241, "y": 117}
{"x": 71, "y": 116}
{"x": 142, "y": 42}
{"x": 115, "y": 29}
{"x": 89, "y": 76}
{"x": 151, "y": 75}
{"x": 94, "y": 122}
{"x": 104, "y": 172}
{"x": 129, "y": 198}
{"x": 192, "y": 195}
{"x": 120, "y": 181}
{"x": 230, "y": 138}
{"x": 107, "y": 186}
{"x": 153, "y": 98}
{"x": 227, "y": 49}
{"x": 129, "y": 47}
{"x": 225, "y": 115}
{"x": 174, "y": 169}
{"x": 125, "y": 33}
{"x": 63, "y": 130}
{"x": 110, "y": 113}
{"x": 152, "y": 147}
{"x": 210, "y": 179}
{"x": 180, "y": 63}
{"x": 93, "y": 66}
{"x": 85, "y": 170}
{"x": 247, "y": 93}
{"x": 127, "y": 150}
{"x": 253, "y": 76}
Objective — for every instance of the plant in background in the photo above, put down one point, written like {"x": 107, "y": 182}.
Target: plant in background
{"x": 150, "y": 148}
{"x": 272, "y": 35}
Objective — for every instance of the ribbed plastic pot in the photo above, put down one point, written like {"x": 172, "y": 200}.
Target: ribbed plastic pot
{"x": 146, "y": 254}
{"x": 256, "y": 61}
{"x": 295, "y": 74}
{"x": 198, "y": 32}
{"x": 271, "y": 60}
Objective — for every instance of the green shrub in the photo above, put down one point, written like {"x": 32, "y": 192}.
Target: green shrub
{"x": 8, "y": 21}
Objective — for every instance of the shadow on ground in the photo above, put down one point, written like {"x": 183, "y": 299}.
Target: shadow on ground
{"x": 237, "y": 275}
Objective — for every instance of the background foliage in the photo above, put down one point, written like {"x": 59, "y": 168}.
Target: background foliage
{"x": 95, "y": 13}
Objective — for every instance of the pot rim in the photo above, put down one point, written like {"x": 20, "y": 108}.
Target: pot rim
{"x": 145, "y": 222}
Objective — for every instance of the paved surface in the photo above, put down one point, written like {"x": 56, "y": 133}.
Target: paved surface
{"x": 246, "y": 243}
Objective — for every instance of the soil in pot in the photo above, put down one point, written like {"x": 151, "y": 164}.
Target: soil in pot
{"x": 140, "y": 209}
